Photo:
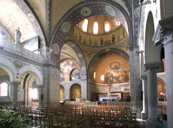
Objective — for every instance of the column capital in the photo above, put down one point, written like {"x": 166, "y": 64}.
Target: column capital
{"x": 164, "y": 32}
{"x": 15, "y": 83}
{"x": 143, "y": 77}
{"x": 153, "y": 66}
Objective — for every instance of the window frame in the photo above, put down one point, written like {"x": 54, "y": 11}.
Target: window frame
{"x": 8, "y": 88}
{"x": 93, "y": 27}
{"x": 83, "y": 23}
{"x": 105, "y": 25}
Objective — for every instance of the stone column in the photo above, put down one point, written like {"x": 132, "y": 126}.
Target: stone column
{"x": 84, "y": 89}
{"x": 164, "y": 35}
{"x": 168, "y": 46}
{"x": 135, "y": 82}
{"x": 29, "y": 97}
{"x": 40, "y": 94}
{"x": 144, "y": 113}
{"x": 51, "y": 89}
{"x": 152, "y": 95}
{"x": 14, "y": 85}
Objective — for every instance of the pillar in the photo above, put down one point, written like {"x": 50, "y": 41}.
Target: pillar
{"x": 144, "y": 113}
{"x": 84, "y": 89}
{"x": 169, "y": 80}
{"x": 29, "y": 97}
{"x": 135, "y": 82}
{"x": 14, "y": 93}
{"x": 152, "y": 120}
{"x": 51, "y": 87}
{"x": 164, "y": 35}
{"x": 40, "y": 94}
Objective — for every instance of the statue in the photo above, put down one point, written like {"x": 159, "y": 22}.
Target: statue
{"x": 101, "y": 41}
{"x": 113, "y": 38}
{"x": 17, "y": 36}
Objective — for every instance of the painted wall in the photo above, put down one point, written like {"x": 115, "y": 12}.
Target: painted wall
{"x": 114, "y": 67}
{"x": 75, "y": 92}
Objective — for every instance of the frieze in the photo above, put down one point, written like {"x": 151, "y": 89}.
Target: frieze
{"x": 20, "y": 64}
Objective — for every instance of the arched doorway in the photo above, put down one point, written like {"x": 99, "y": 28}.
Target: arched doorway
{"x": 75, "y": 92}
{"x": 5, "y": 87}
{"x": 62, "y": 96}
{"x": 161, "y": 90}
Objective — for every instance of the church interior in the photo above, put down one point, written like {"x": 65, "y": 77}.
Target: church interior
{"x": 87, "y": 63}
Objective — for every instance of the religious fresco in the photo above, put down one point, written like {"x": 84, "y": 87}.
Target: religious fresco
{"x": 75, "y": 75}
{"x": 67, "y": 67}
{"x": 116, "y": 74}
{"x": 104, "y": 38}
{"x": 99, "y": 40}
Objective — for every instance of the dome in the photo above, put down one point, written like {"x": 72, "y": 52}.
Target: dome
{"x": 98, "y": 25}
{"x": 99, "y": 31}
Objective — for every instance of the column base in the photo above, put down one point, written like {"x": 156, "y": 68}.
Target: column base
{"x": 144, "y": 115}
{"x": 153, "y": 124}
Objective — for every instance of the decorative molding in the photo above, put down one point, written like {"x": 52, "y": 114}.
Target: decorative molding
{"x": 164, "y": 32}
{"x": 48, "y": 18}
{"x": 19, "y": 50}
{"x": 153, "y": 66}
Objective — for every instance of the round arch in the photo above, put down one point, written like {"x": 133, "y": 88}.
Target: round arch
{"x": 160, "y": 87}
{"x": 32, "y": 71}
{"x": 105, "y": 52}
{"x": 80, "y": 55}
{"x": 79, "y": 13}
{"x": 152, "y": 53}
{"x": 9, "y": 67}
{"x": 101, "y": 54}
{"x": 62, "y": 94}
{"x": 75, "y": 91}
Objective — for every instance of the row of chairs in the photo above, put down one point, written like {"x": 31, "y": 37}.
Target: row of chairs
{"x": 81, "y": 116}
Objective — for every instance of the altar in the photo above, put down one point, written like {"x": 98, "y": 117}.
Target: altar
{"x": 113, "y": 98}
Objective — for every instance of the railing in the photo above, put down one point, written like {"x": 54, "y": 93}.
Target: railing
{"x": 19, "y": 50}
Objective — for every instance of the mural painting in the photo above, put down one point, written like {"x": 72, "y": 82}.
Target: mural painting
{"x": 116, "y": 74}
{"x": 67, "y": 70}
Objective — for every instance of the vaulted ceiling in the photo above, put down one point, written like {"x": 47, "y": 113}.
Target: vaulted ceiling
{"x": 39, "y": 17}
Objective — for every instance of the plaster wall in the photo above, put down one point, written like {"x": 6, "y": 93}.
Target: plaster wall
{"x": 40, "y": 11}
{"x": 59, "y": 8}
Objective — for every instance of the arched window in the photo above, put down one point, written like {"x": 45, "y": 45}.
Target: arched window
{"x": 35, "y": 94}
{"x": 107, "y": 26}
{"x": 3, "y": 89}
{"x": 85, "y": 25}
{"x": 95, "y": 27}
